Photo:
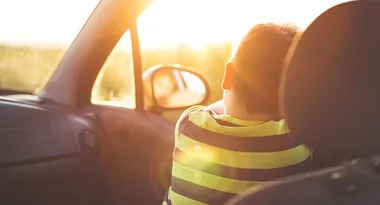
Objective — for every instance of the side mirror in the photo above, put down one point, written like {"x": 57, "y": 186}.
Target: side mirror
{"x": 177, "y": 87}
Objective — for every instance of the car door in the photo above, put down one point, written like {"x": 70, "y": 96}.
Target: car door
{"x": 137, "y": 145}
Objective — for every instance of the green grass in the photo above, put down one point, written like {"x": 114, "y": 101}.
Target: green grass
{"x": 29, "y": 68}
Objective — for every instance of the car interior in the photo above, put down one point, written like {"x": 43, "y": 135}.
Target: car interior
{"x": 59, "y": 148}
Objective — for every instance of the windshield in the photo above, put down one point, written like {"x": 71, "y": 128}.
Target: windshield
{"x": 196, "y": 33}
{"x": 34, "y": 36}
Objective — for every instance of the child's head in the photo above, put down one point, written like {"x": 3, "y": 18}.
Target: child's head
{"x": 252, "y": 76}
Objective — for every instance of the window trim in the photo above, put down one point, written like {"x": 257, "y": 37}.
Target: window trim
{"x": 137, "y": 67}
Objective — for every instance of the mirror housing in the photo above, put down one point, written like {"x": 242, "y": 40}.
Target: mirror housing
{"x": 173, "y": 87}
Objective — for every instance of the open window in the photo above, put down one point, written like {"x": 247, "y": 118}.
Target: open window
{"x": 115, "y": 84}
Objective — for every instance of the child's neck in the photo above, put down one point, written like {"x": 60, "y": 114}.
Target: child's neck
{"x": 244, "y": 115}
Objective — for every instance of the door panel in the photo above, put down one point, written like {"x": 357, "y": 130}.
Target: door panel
{"x": 64, "y": 181}
{"x": 41, "y": 158}
{"x": 31, "y": 132}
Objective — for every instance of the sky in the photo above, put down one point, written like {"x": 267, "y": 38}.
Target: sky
{"x": 164, "y": 24}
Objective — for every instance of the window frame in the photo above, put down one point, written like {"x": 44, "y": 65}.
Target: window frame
{"x": 137, "y": 71}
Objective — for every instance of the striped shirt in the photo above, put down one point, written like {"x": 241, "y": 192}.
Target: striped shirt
{"x": 217, "y": 157}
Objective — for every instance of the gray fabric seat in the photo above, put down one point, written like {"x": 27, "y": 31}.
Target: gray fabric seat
{"x": 357, "y": 183}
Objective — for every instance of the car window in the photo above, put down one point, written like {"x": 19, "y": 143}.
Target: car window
{"x": 34, "y": 36}
{"x": 115, "y": 84}
{"x": 200, "y": 34}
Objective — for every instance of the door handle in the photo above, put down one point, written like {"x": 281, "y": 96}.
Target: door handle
{"x": 88, "y": 145}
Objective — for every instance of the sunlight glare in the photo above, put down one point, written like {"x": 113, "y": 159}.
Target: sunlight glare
{"x": 166, "y": 23}
{"x": 54, "y": 22}
{"x": 197, "y": 23}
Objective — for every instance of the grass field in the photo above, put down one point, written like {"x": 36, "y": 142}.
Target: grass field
{"x": 29, "y": 68}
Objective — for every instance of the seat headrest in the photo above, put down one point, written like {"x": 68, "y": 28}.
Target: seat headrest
{"x": 332, "y": 82}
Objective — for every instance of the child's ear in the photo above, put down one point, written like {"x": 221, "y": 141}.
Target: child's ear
{"x": 227, "y": 78}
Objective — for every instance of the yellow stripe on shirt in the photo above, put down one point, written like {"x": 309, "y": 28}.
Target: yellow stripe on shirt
{"x": 183, "y": 115}
{"x": 182, "y": 200}
{"x": 248, "y": 160}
